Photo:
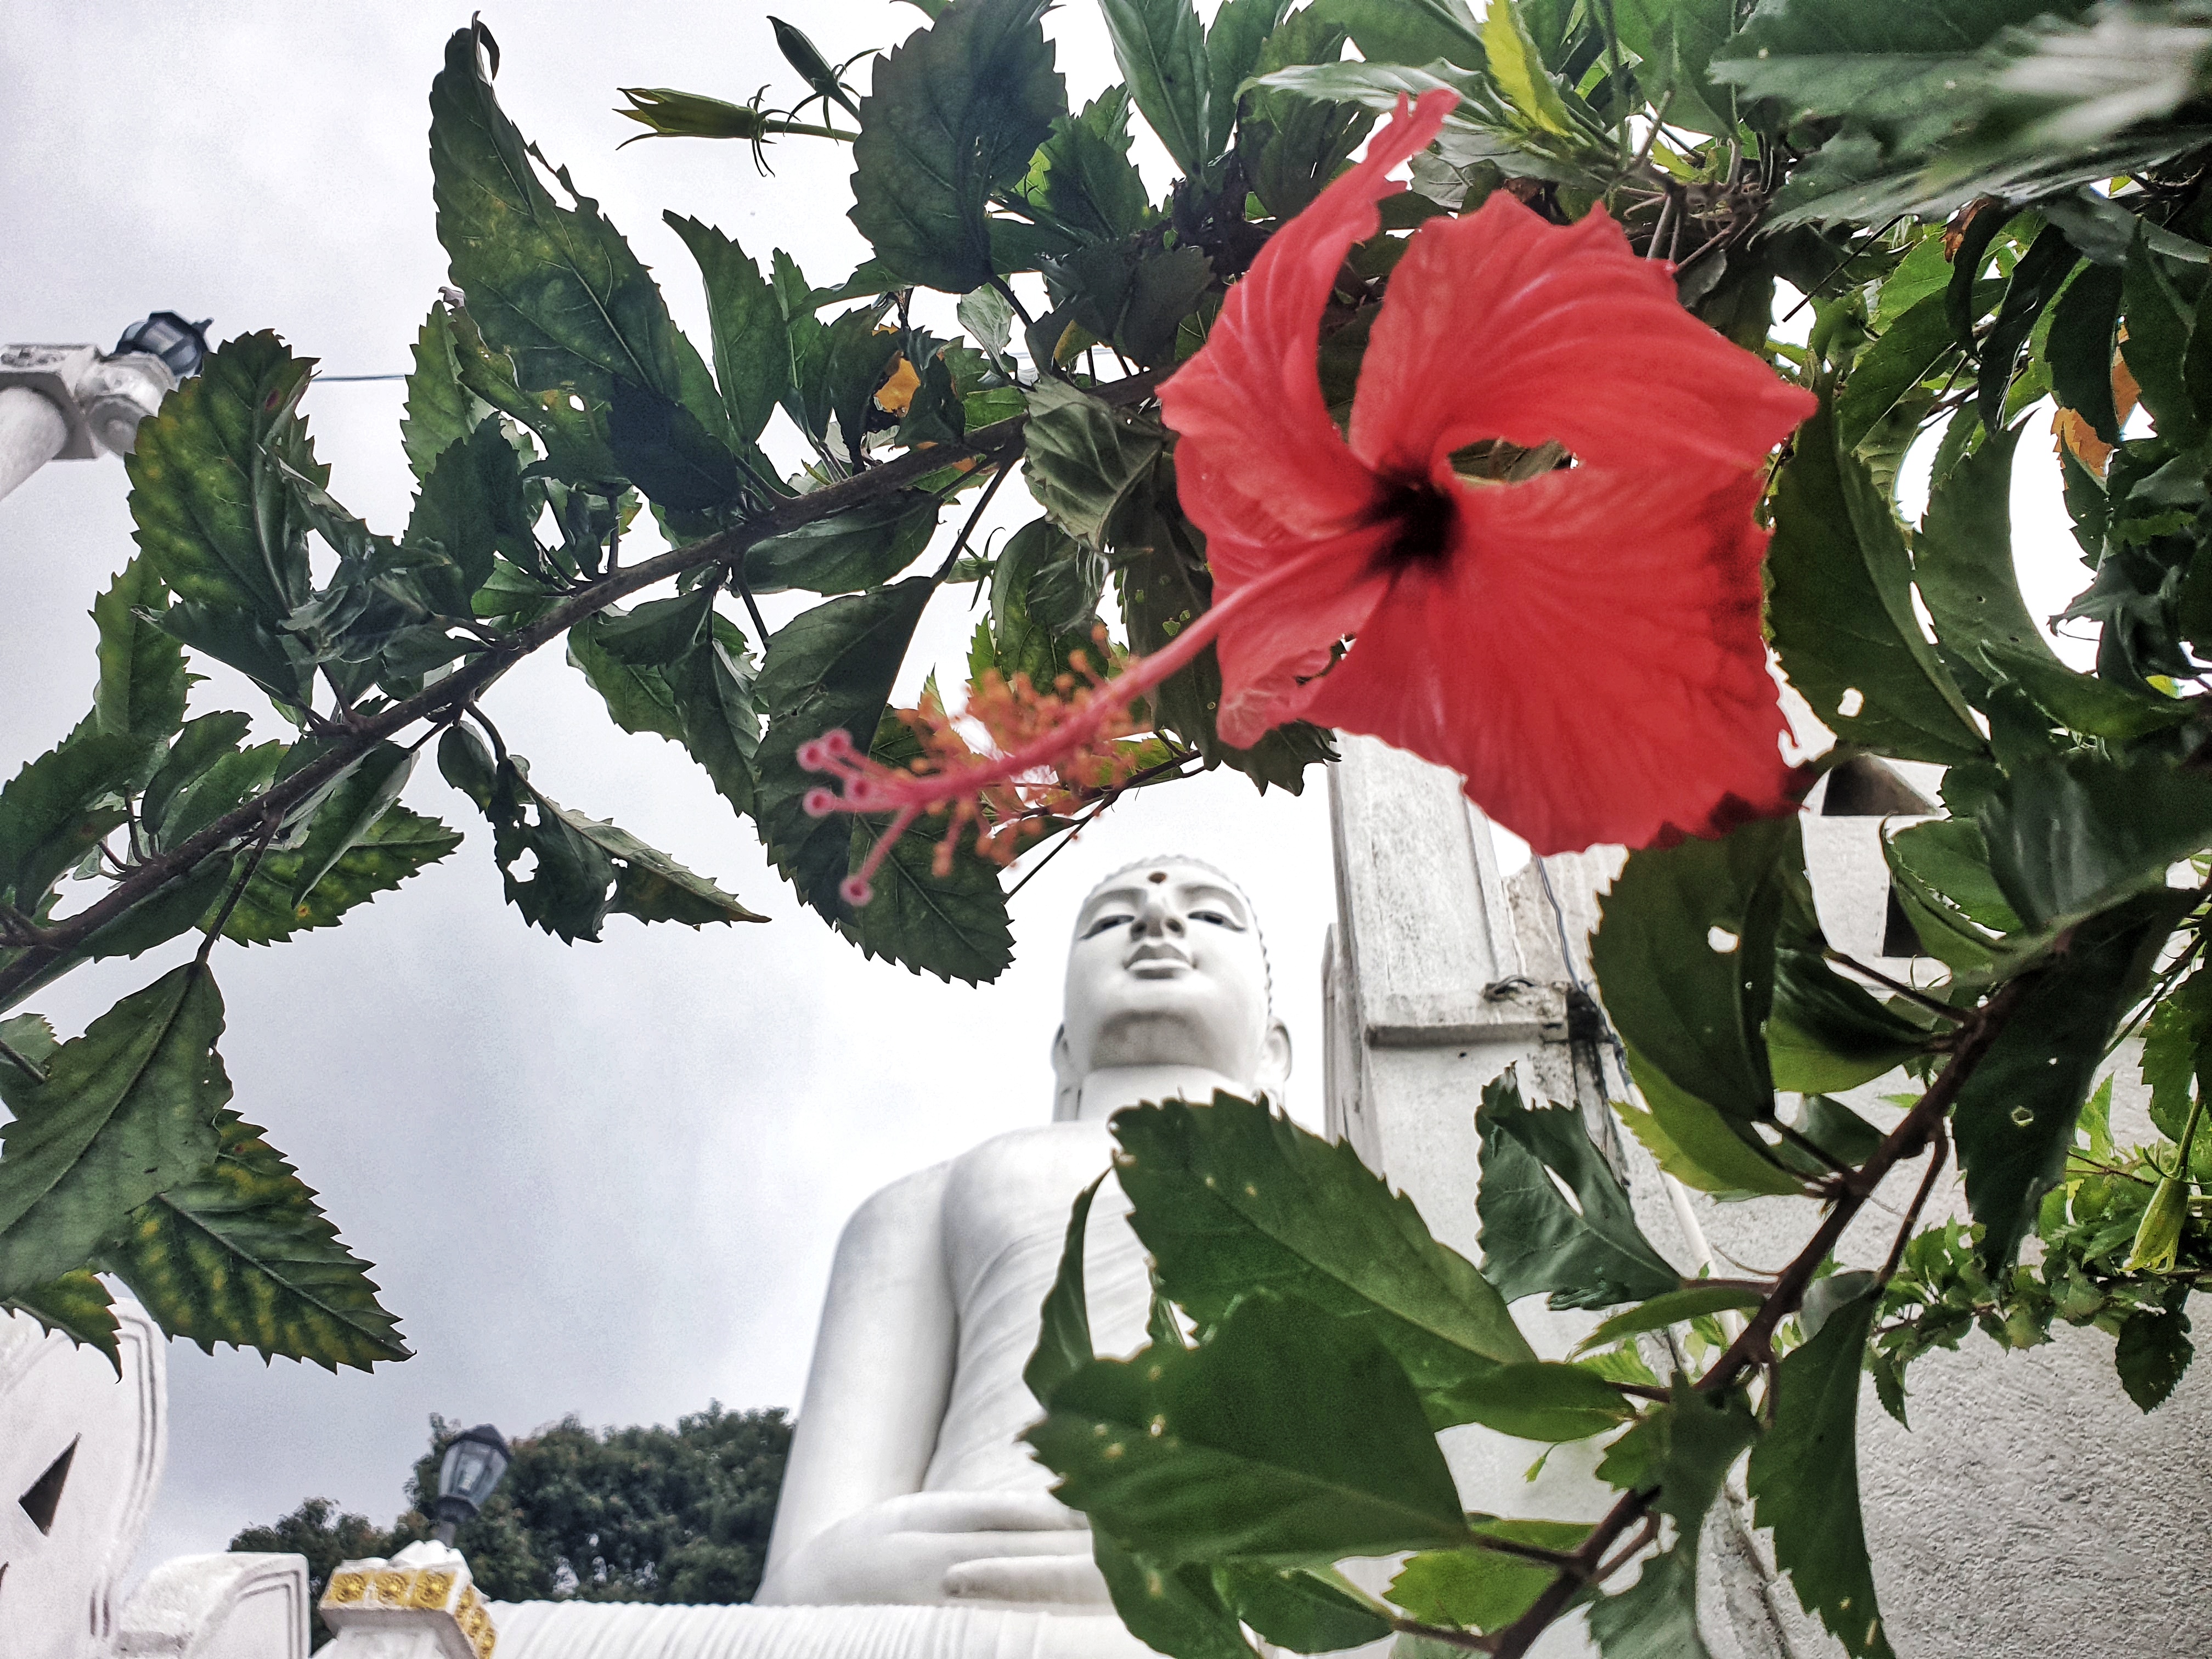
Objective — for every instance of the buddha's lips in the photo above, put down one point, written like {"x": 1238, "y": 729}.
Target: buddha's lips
{"x": 1157, "y": 960}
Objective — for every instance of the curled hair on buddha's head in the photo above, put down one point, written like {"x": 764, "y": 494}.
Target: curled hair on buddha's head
{"x": 1065, "y": 1097}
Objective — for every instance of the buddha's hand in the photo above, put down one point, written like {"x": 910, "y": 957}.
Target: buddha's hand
{"x": 947, "y": 1547}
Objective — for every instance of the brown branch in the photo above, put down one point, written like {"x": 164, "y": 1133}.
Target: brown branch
{"x": 1914, "y": 1134}
{"x": 48, "y": 945}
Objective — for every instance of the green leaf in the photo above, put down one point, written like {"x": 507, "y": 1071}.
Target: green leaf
{"x": 1302, "y": 1609}
{"x": 1804, "y": 1481}
{"x": 2014, "y": 1117}
{"x": 1940, "y": 873}
{"x": 142, "y": 681}
{"x": 955, "y": 115}
{"x": 1231, "y": 1198}
{"x": 1671, "y": 1308}
{"x": 2152, "y": 1351}
{"x": 954, "y": 924}
{"x": 1681, "y": 1452}
{"x": 472, "y": 506}
{"x": 76, "y": 1305}
{"x": 1064, "y": 1329}
{"x": 1405, "y": 31}
{"x": 243, "y": 1254}
{"x": 835, "y": 372}
{"x": 207, "y": 492}
{"x": 1963, "y": 561}
{"x": 57, "y": 809}
{"x": 1587, "y": 1252}
{"x": 828, "y": 667}
{"x": 1655, "y": 1617}
{"x": 713, "y": 690}
{"x": 638, "y": 696}
{"x": 1695, "y": 1144}
{"x": 1162, "y": 50}
{"x": 862, "y": 547}
{"x": 1676, "y": 40}
{"x": 1233, "y": 40}
{"x": 1287, "y": 1437}
{"x": 583, "y": 870}
{"x": 1542, "y": 1399}
{"x": 2158, "y": 323}
{"x": 673, "y": 458}
{"x": 2084, "y": 325}
{"x": 397, "y": 845}
{"x": 555, "y": 288}
{"x": 2069, "y": 835}
{"x": 1840, "y": 605}
{"x": 440, "y": 410}
{"x": 127, "y": 1110}
{"x": 1825, "y": 1032}
{"x": 349, "y": 812}
{"x": 572, "y": 428}
{"x": 1910, "y": 350}
{"x": 752, "y": 355}
{"x": 1083, "y": 460}
{"x": 2036, "y": 280}
{"x": 1172, "y": 1610}
{"x": 1518, "y": 69}
{"x": 1684, "y": 958}
{"x": 1082, "y": 181}
{"x": 1480, "y": 1590}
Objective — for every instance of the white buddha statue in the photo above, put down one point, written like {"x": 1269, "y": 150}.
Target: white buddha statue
{"x": 907, "y": 1485}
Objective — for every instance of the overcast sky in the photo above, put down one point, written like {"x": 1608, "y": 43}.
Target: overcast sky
{"x": 603, "y": 1179}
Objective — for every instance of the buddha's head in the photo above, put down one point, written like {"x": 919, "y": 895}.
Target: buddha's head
{"x": 1167, "y": 969}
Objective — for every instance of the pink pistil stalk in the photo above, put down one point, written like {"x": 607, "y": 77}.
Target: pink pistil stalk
{"x": 869, "y": 786}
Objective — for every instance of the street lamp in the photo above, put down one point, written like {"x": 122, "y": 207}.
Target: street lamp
{"x": 76, "y": 402}
{"x": 474, "y": 1462}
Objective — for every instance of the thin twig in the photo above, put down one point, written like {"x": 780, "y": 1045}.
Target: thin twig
{"x": 1933, "y": 1005}
{"x": 996, "y": 442}
{"x": 237, "y": 890}
{"x": 960, "y": 542}
{"x": 1939, "y": 1150}
{"x": 22, "y": 1062}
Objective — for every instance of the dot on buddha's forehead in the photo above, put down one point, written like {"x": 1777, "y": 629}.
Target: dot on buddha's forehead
{"x": 1157, "y": 875}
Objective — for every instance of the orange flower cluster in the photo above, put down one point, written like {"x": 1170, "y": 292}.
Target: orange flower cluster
{"x": 1048, "y": 753}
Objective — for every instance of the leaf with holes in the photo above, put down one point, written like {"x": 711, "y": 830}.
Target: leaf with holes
{"x": 398, "y": 844}
{"x": 1840, "y": 605}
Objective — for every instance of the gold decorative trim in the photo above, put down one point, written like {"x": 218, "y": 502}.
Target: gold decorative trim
{"x": 421, "y": 1590}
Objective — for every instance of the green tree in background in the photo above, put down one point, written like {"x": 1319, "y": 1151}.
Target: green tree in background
{"x": 608, "y": 1515}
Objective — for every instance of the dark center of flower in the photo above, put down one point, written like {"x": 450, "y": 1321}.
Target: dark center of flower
{"x": 1423, "y": 517}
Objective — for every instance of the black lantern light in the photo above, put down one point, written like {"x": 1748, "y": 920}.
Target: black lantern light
{"x": 180, "y": 344}
{"x": 474, "y": 1462}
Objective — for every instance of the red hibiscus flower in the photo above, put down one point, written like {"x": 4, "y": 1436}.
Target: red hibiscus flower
{"x": 1583, "y": 647}
{"x": 1577, "y": 637}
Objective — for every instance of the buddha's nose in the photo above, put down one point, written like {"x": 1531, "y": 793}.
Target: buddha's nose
{"x": 1156, "y": 919}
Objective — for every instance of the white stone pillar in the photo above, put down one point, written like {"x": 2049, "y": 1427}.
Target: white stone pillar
{"x": 33, "y": 430}
{"x": 73, "y": 403}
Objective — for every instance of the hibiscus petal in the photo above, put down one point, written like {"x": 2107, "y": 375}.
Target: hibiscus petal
{"x": 1258, "y": 456}
{"x": 1502, "y": 325}
{"x": 1282, "y": 632}
{"x": 1587, "y": 655}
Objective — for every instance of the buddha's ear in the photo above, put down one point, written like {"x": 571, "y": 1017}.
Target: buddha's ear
{"x": 1067, "y": 1087}
{"x": 1272, "y": 1076}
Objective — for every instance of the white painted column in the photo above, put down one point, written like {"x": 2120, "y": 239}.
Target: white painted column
{"x": 33, "y": 430}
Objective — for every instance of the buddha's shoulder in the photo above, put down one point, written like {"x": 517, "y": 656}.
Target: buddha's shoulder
{"x": 1053, "y": 1153}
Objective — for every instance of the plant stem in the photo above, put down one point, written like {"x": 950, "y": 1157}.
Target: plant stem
{"x": 1918, "y": 1128}
{"x": 1001, "y": 443}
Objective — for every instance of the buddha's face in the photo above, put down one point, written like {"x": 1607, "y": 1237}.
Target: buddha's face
{"x": 1166, "y": 970}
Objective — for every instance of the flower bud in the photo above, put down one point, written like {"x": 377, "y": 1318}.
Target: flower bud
{"x": 2159, "y": 1233}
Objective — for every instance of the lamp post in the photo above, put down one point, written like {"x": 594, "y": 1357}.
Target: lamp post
{"x": 474, "y": 1462}
{"x": 74, "y": 402}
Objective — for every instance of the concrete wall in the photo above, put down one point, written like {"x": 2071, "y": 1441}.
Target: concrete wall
{"x": 2030, "y": 1510}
